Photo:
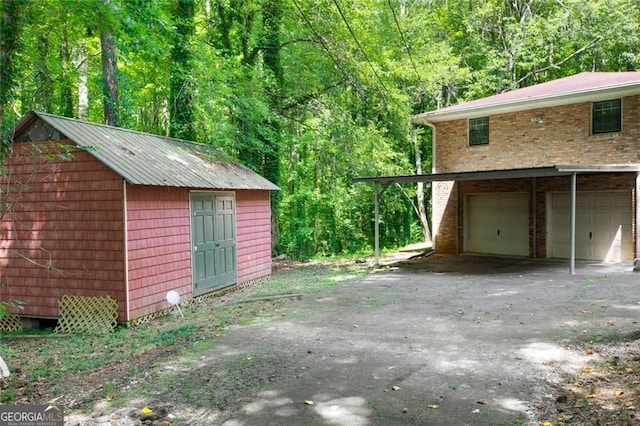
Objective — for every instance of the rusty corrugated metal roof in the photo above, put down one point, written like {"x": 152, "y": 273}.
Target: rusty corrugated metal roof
{"x": 146, "y": 159}
{"x": 582, "y": 87}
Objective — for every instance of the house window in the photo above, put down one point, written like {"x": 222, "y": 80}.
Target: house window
{"x": 479, "y": 131}
{"x": 607, "y": 117}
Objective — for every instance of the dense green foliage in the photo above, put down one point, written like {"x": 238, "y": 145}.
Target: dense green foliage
{"x": 308, "y": 93}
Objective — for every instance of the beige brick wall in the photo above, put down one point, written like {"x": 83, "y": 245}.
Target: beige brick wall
{"x": 540, "y": 137}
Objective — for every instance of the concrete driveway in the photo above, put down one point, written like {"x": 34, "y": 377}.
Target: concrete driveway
{"x": 447, "y": 341}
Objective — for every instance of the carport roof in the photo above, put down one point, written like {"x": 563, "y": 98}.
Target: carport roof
{"x": 549, "y": 171}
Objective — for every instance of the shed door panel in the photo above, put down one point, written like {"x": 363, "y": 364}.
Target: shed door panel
{"x": 603, "y": 226}
{"x": 214, "y": 241}
{"x": 497, "y": 224}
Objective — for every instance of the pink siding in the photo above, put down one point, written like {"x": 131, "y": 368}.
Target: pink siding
{"x": 159, "y": 247}
{"x": 253, "y": 224}
{"x": 64, "y": 235}
{"x": 63, "y": 231}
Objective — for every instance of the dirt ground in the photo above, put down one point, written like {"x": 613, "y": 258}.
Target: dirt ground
{"x": 431, "y": 341}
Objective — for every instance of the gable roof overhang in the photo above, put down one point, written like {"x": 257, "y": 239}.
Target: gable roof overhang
{"x": 583, "y": 87}
{"x": 147, "y": 159}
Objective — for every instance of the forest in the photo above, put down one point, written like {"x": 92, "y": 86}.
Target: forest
{"x": 308, "y": 93}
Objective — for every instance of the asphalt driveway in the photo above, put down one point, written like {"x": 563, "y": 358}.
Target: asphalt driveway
{"x": 448, "y": 341}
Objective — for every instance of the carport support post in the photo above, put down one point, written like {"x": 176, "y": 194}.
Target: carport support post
{"x": 572, "y": 231}
{"x": 376, "y": 222}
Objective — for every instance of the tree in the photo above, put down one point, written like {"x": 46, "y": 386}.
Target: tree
{"x": 9, "y": 43}
{"x": 181, "y": 123}
{"x": 109, "y": 52}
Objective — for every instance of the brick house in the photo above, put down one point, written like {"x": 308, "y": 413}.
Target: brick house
{"x": 547, "y": 171}
{"x": 92, "y": 210}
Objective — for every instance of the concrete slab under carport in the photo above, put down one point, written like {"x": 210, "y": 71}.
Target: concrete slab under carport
{"x": 482, "y": 264}
{"x": 465, "y": 340}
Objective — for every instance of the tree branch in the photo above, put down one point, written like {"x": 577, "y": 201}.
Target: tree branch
{"x": 557, "y": 64}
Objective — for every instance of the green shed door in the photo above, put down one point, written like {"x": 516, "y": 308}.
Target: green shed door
{"x": 213, "y": 229}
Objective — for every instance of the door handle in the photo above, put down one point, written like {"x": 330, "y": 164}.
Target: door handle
{"x": 498, "y": 232}
{"x": 590, "y": 235}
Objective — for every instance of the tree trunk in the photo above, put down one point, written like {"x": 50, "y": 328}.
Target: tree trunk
{"x": 181, "y": 87}
{"x": 110, "y": 78}
{"x": 422, "y": 211}
{"x": 9, "y": 30}
{"x": 272, "y": 15}
{"x": 66, "y": 93}
{"x": 81, "y": 62}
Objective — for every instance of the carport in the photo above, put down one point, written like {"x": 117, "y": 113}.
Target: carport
{"x": 381, "y": 183}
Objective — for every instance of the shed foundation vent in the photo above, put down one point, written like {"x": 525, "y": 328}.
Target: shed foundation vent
{"x": 79, "y": 314}
{"x": 10, "y": 322}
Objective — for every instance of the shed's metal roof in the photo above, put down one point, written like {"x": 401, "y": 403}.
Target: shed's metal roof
{"x": 583, "y": 87}
{"x": 146, "y": 159}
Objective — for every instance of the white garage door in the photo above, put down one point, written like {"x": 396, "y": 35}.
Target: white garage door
{"x": 603, "y": 226}
{"x": 497, "y": 224}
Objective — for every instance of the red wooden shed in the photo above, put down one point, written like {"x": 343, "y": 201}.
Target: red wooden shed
{"x": 93, "y": 210}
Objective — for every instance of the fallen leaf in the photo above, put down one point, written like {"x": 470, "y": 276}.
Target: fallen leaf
{"x": 610, "y": 323}
{"x": 395, "y": 388}
{"x": 481, "y": 401}
{"x": 589, "y": 351}
{"x": 146, "y": 410}
{"x": 109, "y": 399}
{"x": 218, "y": 334}
{"x": 308, "y": 402}
{"x": 546, "y": 424}
{"x": 630, "y": 371}
{"x": 586, "y": 370}
{"x": 619, "y": 393}
{"x": 432, "y": 406}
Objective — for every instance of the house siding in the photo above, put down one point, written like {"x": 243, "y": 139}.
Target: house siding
{"x": 159, "y": 247}
{"x": 253, "y": 236}
{"x": 63, "y": 230}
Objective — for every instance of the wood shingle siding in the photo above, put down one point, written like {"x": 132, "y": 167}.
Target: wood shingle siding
{"x": 253, "y": 222}
{"x": 159, "y": 247}
{"x": 61, "y": 235}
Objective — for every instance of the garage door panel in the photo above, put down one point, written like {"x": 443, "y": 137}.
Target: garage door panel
{"x": 603, "y": 226}
{"x": 497, "y": 224}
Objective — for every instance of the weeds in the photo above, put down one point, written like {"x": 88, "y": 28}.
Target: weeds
{"x": 42, "y": 365}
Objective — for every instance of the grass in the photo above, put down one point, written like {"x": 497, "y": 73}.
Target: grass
{"x": 42, "y": 364}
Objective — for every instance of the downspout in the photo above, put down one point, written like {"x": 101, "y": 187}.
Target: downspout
{"x": 126, "y": 250}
